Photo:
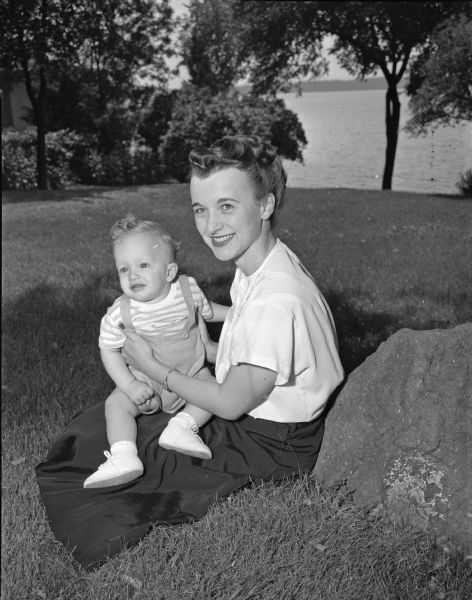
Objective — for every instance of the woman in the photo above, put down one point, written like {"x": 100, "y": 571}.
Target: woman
{"x": 276, "y": 367}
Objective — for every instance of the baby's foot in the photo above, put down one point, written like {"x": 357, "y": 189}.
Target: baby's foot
{"x": 181, "y": 435}
{"x": 119, "y": 468}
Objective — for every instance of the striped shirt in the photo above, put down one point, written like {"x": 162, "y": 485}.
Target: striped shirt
{"x": 149, "y": 317}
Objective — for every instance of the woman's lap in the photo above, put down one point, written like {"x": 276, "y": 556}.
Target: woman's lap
{"x": 175, "y": 488}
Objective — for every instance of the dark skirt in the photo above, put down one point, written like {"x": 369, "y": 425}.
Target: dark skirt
{"x": 95, "y": 524}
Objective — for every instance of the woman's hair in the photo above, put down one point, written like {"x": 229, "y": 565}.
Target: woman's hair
{"x": 130, "y": 224}
{"x": 249, "y": 154}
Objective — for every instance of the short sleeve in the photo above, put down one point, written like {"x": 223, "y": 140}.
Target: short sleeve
{"x": 200, "y": 300}
{"x": 264, "y": 336}
{"x": 111, "y": 336}
{"x": 206, "y": 309}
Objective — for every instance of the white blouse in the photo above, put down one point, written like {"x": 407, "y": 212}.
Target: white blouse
{"x": 279, "y": 320}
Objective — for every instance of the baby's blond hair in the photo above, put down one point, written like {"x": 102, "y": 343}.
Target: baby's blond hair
{"x": 130, "y": 224}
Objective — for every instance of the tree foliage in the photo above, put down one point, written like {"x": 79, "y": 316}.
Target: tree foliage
{"x": 441, "y": 77}
{"x": 282, "y": 41}
{"x": 199, "y": 117}
{"x": 210, "y": 47}
{"x": 215, "y": 54}
{"x": 87, "y": 65}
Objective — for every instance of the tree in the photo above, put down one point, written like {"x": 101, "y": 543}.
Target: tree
{"x": 199, "y": 117}
{"x": 107, "y": 55}
{"x": 368, "y": 36}
{"x": 441, "y": 78}
{"x": 210, "y": 49}
{"x": 383, "y": 35}
{"x": 282, "y": 42}
{"x": 212, "y": 105}
{"x": 29, "y": 29}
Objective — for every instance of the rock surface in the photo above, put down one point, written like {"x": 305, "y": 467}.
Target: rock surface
{"x": 400, "y": 432}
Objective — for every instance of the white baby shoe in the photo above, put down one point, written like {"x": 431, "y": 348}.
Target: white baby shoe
{"x": 181, "y": 435}
{"x": 120, "y": 467}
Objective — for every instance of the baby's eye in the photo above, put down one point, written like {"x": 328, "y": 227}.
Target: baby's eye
{"x": 122, "y": 270}
{"x": 144, "y": 265}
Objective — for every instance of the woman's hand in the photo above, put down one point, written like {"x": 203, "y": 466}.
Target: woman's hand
{"x": 137, "y": 352}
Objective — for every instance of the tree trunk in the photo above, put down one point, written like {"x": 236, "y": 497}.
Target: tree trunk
{"x": 392, "y": 121}
{"x": 39, "y": 107}
{"x": 41, "y": 161}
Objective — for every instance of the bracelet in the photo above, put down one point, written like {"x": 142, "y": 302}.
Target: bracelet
{"x": 165, "y": 383}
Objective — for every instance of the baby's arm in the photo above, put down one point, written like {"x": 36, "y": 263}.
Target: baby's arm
{"x": 219, "y": 312}
{"x": 211, "y": 347}
{"x": 137, "y": 391}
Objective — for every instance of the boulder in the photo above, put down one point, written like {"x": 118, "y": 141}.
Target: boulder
{"x": 400, "y": 432}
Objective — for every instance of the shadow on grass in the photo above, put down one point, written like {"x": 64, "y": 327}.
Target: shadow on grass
{"x": 50, "y": 340}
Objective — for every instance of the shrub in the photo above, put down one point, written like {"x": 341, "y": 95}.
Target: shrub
{"x": 19, "y": 158}
{"x": 465, "y": 184}
{"x": 130, "y": 163}
{"x": 75, "y": 158}
{"x": 200, "y": 117}
{"x": 60, "y": 149}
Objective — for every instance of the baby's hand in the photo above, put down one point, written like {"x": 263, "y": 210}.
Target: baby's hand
{"x": 139, "y": 392}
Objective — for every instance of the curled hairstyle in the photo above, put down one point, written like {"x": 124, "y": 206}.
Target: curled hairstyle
{"x": 248, "y": 154}
{"x": 130, "y": 224}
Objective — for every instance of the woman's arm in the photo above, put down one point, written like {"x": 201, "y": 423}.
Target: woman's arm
{"x": 244, "y": 387}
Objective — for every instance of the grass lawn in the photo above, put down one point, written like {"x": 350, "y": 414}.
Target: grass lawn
{"x": 384, "y": 260}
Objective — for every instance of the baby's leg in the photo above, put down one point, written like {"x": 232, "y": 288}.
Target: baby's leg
{"x": 120, "y": 415}
{"x": 123, "y": 464}
{"x": 181, "y": 433}
{"x": 198, "y": 414}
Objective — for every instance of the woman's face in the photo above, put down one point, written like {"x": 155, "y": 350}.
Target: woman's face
{"x": 227, "y": 213}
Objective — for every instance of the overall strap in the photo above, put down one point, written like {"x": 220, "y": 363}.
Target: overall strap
{"x": 187, "y": 294}
{"x": 125, "y": 313}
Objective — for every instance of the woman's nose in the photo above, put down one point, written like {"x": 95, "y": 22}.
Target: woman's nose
{"x": 213, "y": 223}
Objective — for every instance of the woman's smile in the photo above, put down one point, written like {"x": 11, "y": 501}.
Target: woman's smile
{"x": 221, "y": 240}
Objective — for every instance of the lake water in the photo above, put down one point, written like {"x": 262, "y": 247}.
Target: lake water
{"x": 347, "y": 141}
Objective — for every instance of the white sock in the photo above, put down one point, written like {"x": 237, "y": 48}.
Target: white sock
{"x": 124, "y": 446}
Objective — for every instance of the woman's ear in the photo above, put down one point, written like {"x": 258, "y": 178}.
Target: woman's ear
{"x": 267, "y": 209}
{"x": 172, "y": 270}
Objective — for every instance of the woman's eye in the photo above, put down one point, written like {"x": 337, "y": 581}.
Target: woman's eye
{"x": 226, "y": 207}
{"x": 198, "y": 210}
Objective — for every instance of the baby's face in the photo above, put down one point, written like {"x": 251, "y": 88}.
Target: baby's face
{"x": 143, "y": 267}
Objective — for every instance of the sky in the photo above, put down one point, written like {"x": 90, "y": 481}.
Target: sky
{"x": 335, "y": 71}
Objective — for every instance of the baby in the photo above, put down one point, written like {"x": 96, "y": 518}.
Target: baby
{"x": 165, "y": 310}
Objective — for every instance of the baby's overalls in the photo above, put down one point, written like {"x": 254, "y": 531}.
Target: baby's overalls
{"x": 183, "y": 351}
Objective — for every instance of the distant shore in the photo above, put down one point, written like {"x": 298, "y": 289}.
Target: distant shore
{"x": 339, "y": 85}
